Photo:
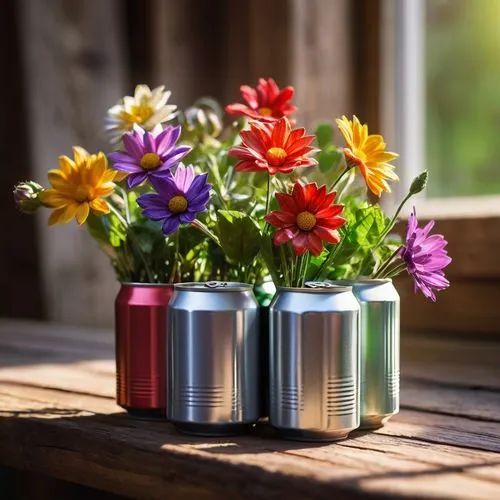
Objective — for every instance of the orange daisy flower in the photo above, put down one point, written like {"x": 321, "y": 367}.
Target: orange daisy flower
{"x": 368, "y": 153}
{"x": 274, "y": 147}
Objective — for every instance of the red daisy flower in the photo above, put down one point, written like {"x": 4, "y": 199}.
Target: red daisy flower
{"x": 267, "y": 102}
{"x": 274, "y": 147}
{"x": 307, "y": 217}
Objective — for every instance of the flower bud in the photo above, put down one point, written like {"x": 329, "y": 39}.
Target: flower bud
{"x": 203, "y": 122}
{"x": 419, "y": 183}
{"x": 26, "y": 196}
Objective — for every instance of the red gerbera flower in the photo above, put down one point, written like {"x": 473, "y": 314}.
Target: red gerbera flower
{"x": 267, "y": 102}
{"x": 307, "y": 217}
{"x": 274, "y": 147}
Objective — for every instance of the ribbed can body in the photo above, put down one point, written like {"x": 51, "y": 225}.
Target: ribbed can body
{"x": 140, "y": 343}
{"x": 213, "y": 353}
{"x": 379, "y": 340}
{"x": 314, "y": 363}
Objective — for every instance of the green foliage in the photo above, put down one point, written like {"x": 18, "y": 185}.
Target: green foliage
{"x": 359, "y": 253}
{"x": 328, "y": 155}
{"x": 239, "y": 235}
{"x": 324, "y": 134}
{"x": 462, "y": 96}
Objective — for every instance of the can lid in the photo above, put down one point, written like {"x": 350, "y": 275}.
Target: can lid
{"x": 214, "y": 286}
{"x": 146, "y": 285}
{"x": 362, "y": 280}
{"x": 317, "y": 287}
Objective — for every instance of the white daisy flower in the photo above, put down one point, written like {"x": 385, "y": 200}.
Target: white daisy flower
{"x": 147, "y": 108}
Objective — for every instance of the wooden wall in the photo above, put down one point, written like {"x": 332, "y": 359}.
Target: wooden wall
{"x": 471, "y": 305}
{"x": 73, "y": 71}
{"x": 20, "y": 278}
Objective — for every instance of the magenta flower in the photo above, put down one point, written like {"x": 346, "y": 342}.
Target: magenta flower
{"x": 425, "y": 257}
{"x": 178, "y": 200}
{"x": 149, "y": 155}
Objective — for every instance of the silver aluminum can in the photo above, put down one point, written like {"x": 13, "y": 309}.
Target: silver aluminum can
{"x": 314, "y": 362}
{"x": 379, "y": 341}
{"x": 212, "y": 358}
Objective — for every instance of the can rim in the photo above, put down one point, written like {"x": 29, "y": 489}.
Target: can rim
{"x": 332, "y": 289}
{"x": 363, "y": 281}
{"x": 146, "y": 285}
{"x": 229, "y": 286}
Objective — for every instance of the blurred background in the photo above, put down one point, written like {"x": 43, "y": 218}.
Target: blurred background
{"x": 425, "y": 73}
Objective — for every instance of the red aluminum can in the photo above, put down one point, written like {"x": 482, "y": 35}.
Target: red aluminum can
{"x": 141, "y": 336}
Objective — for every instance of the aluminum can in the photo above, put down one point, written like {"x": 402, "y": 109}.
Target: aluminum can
{"x": 379, "y": 341}
{"x": 213, "y": 358}
{"x": 140, "y": 343}
{"x": 314, "y": 362}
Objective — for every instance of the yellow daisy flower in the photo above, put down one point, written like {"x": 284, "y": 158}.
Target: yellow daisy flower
{"x": 147, "y": 108}
{"x": 78, "y": 187}
{"x": 368, "y": 153}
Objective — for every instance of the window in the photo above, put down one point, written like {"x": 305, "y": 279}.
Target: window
{"x": 441, "y": 58}
{"x": 440, "y": 102}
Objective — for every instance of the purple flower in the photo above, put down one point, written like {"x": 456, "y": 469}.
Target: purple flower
{"x": 425, "y": 257}
{"x": 149, "y": 155}
{"x": 178, "y": 200}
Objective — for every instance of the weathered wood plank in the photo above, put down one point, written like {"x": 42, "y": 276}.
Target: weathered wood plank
{"x": 463, "y": 362}
{"x": 374, "y": 462}
{"x": 476, "y": 403}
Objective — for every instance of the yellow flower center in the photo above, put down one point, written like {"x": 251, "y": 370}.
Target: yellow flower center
{"x": 150, "y": 161}
{"x": 177, "y": 204}
{"x": 84, "y": 192}
{"x": 138, "y": 113}
{"x": 276, "y": 156}
{"x": 265, "y": 111}
{"x": 305, "y": 221}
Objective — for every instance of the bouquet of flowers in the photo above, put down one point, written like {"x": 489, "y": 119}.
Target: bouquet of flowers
{"x": 187, "y": 197}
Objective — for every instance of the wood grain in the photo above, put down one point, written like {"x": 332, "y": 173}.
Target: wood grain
{"x": 58, "y": 417}
{"x": 73, "y": 68}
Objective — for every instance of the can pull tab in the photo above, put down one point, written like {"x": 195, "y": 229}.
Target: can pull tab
{"x": 318, "y": 284}
{"x": 215, "y": 284}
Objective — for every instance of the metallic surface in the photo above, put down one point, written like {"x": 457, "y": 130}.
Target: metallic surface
{"x": 379, "y": 341}
{"x": 140, "y": 333}
{"x": 212, "y": 358}
{"x": 314, "y": 363}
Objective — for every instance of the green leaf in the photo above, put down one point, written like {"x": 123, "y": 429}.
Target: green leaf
{"x": 98, "y": 227}
{"x": 117, "y": 233}
{"x": 239, "y": 235}
{"x": 328, "y": 159}
{"x": 324, "y": 134}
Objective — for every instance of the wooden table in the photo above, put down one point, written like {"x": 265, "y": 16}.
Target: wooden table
{"x": 58, "y": 417}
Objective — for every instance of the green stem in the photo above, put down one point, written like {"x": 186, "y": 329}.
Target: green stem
{"x": 133, "y": 238}
{"x": 219, "y": 184}
{"x": 329, "y": 259}
{"x": 284, "y": 265}
{"x": 204, "y": 229}
{"x": 176, "y": 258}
{"x": 125, "y": 204}
{"x": 391, "y": 273}
{"x": 339, "y": 178}
{"x": 303, "y": 268}
{"x": 387, "y": 262}
{"x": 393, "y": 220}
{"x": 268, "y": 197}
